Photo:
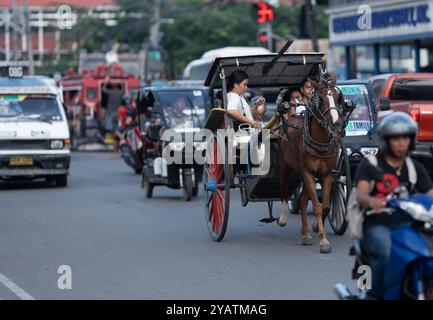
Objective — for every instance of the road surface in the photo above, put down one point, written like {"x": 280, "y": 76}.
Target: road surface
{"x": 119, "y": 245}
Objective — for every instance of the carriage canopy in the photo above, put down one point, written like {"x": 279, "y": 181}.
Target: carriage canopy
{"x": 288, "y": 70}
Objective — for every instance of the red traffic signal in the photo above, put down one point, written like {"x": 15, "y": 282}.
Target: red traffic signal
{"x": 265, "y": 13}
{"x": 263, "y": 36}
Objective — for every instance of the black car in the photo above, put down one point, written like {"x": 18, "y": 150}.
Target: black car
{"x": 361, "y": 138}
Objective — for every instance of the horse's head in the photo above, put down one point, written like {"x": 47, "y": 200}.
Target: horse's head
{"x": 329, "y": 105}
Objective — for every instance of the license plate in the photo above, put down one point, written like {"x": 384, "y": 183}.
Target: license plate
{"x": 21, "y": 161}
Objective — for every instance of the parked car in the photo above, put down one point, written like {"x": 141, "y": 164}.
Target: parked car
{"x": 411, "y": 93}
{"x": 361, "y": 139}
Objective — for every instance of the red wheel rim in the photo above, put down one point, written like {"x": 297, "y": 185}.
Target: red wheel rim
{"x": 216, "y": 196}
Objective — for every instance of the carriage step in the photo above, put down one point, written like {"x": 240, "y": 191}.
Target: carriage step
{"x": 268, "y": 220}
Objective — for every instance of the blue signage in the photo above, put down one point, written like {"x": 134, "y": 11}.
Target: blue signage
{"x": 410, "y": 16}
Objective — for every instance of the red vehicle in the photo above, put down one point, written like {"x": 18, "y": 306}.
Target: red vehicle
{"x": 83, "y": 97}
{"x": 411, "y": 93}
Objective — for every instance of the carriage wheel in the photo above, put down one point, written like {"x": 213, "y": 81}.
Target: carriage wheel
{"x": 217, "y": 189}
{"x": 341, "y": 187}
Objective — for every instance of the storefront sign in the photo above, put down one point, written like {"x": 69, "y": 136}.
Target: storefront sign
{"x": 397, "y": 22}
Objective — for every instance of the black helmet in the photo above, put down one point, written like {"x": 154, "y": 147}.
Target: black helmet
{"x": 397, "y": 124}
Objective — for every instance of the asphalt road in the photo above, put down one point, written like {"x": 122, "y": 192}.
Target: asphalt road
{"x": 120, "y": 245}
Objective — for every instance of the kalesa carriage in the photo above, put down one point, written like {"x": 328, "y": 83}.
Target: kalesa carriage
{"x": 259, "y": 178}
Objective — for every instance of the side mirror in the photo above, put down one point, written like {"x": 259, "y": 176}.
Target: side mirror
{"x": 153, "y": 132}
{"x": 385, "y": 105}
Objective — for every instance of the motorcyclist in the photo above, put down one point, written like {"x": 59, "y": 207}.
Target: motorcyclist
{"x": 397, "y": 133}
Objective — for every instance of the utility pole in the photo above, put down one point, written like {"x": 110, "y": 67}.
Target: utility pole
{"x": 155, "y": 24}
{"x": 310, "y": 18}
{"x": 28, "y": 31}
{"x": 14, "y": 31}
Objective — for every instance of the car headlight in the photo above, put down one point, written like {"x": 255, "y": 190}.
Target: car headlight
{"x": 57, "y": 144}
{"x": 176, "y": 146}
{"x": 200, "y": 146}
{"x": 369, "y": 151}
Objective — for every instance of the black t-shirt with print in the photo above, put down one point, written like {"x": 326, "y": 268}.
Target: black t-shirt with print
{"x": 391, "y": 180}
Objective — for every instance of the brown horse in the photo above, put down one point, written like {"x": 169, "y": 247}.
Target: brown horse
{"x": 308, "y": 150}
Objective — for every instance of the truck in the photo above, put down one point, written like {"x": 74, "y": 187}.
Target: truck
{"x": 411, "y": 93}
{"x": 83, "y": 98}
{"x": 146, "y": 65}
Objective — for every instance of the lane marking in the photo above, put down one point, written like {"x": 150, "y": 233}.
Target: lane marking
{"x": 20, "y": 293}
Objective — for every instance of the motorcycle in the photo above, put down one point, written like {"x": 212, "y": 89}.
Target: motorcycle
{"x": 131, "y": 148}
{"x": 409, "y": 273}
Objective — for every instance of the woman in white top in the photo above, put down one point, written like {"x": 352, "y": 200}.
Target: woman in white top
{"x": 237, "y": 106}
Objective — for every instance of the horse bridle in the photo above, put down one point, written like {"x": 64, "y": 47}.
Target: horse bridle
{"x": 318, "y": 149}
{"x": 313, "y": 106}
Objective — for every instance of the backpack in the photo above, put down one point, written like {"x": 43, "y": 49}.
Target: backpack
{"x": 355, "y": 213}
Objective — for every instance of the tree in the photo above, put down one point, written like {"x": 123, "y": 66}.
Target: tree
{"x": 205, "y": 28}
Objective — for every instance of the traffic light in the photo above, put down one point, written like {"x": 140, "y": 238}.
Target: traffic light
{"x": 263, "y": 37}
{"x": 265, "y": 13}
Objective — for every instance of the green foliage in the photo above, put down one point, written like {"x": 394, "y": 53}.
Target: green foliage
{"x": 50, "y": 66}
{"x": 195, "y": 27}
{"x": 214, "y": 26}
{"x": 207, "y": 28}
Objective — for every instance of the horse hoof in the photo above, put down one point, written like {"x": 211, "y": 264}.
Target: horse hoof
{"x": 315, "y": 227}
{"x": 325, "y": 248}
{"x": 282, "y": 222}
{"x": 284, "y": 214}
{"x": 307, "y": 240}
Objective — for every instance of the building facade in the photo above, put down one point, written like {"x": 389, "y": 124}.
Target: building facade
{"x": 43, "y": 22}
{"x": 372, "y": 37}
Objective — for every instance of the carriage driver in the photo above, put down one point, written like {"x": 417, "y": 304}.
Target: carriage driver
{"x": 237, "y": 106}
{"x": 296, "y": 96}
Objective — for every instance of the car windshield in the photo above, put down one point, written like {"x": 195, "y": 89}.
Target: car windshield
{"x": 412, "y": 89}
{"x": 360, "y": 120}
{"x": 29, "y": 107}
{"x": 183, "y": 109}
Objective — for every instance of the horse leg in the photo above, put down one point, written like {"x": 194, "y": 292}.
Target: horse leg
{"x": 310, "y": 185}
{"x": 326, "y": 200}
{"x": 307, "y": 239}
{"x": 326, "y": 192}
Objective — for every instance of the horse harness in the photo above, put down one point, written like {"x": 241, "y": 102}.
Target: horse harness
{"x": 312, "y": 146}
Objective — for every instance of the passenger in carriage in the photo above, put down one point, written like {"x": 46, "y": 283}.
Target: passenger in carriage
{"x": 237, "y": 106}
{"x": 306, "y": 89}
{"x": 296, "y": 98}
{"x": 292, "y": 99}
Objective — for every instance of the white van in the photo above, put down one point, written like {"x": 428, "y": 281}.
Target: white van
{"x": 34, "y": 133}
